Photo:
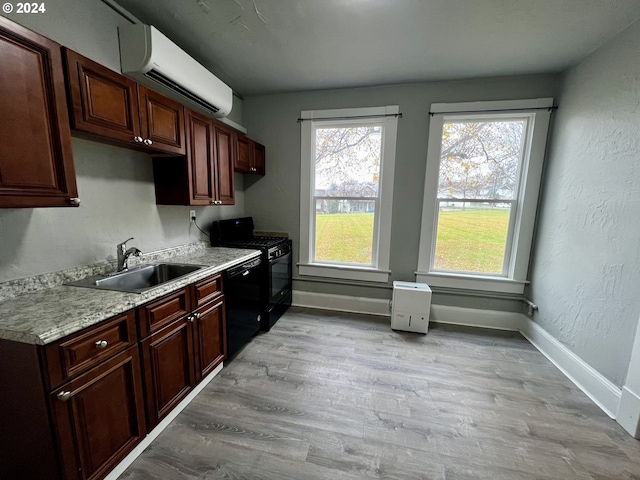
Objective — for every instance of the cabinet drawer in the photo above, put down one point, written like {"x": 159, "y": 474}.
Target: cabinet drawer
{"x": 207, "y": 289}
{"x": 156, "y": 315}
{"x": 77, "y": 353}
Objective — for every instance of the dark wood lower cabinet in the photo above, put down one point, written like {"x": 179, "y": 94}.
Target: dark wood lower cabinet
{"x": 168, "y": 366}
{"x": 210, "y": 345}
{"x": 74, "y": 409}
{"x": 99, "y": 416}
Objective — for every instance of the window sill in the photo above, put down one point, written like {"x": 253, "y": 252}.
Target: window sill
{"x": 344, "y": 272}
{"x": 471, "y": 282}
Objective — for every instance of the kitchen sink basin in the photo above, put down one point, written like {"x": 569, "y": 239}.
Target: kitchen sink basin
{"x": 139, "y": 279}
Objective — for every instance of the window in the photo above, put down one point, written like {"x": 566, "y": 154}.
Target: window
{"x": 348, "y": 160}
{"x": 483, "y": 173}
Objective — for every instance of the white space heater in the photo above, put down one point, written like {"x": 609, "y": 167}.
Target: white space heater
{"x": 411, "y": 304}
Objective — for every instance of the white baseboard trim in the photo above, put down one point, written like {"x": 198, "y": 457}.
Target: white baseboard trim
{"x": 629, "y": 412}
{"x": 151, "y": 436}
{"x": 341, "y": 303}
{"x": 599, "y": 389}
{"x": 473, "y": 317}
{"x": 603, "y": 392}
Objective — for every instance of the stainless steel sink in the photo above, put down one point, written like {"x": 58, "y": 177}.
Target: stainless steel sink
{"x": 139, "y": 279}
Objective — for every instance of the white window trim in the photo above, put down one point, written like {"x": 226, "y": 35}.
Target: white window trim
{"x": 379, "y": 273}
{"x": 515, "y": 281}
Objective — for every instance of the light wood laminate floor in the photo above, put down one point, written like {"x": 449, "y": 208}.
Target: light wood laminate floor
{"x": 329, "y": 395}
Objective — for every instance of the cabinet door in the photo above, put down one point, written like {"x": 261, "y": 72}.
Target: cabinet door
{"x": 225, "y": 152}
{"x": 244, "y": 151}
{"x": 210, "y": 343}
{"x": 36, "y": 161}
{"x": 105, "y": 103}
{"x": 168, "y": 366}
{"x": 99, "y": 416}
{"x": 161, "y": 122}
{"x": 200, "y": 159}
{"x": 258, "y": 157}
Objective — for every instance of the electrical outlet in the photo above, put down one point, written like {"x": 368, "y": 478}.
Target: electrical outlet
{"x": 192, "y": 215}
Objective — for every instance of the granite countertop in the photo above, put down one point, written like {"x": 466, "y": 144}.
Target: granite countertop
{"x": 47, "y": 315}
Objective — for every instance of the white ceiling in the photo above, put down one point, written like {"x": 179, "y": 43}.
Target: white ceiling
{"x": 268, "y": 46}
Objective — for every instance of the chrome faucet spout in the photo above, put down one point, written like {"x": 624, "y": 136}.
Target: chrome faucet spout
{"x": 124, "y": 254}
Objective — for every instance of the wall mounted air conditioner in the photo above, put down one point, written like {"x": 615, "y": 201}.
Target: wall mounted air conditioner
{"x": 151, "y": 59}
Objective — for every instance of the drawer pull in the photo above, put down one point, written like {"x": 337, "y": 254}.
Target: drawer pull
{"x": 64, "y": 396}
{"x": 101, "y": 344}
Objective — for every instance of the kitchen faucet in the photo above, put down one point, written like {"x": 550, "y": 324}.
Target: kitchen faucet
{"x": 124, "y": 254}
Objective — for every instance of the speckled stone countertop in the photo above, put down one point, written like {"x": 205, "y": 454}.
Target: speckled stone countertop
{"x": 47, "y": 315}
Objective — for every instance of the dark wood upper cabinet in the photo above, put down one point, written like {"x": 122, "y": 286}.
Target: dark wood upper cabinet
{"x": 161, "y": 121}
{"x": 259, "y": 158}
{"x": 244, "y": 151}
{"x": 36, "y": 161}
{"x": 225, "y": 154}
{"x": 206, "y": 176}
{"x": 110, "y": 106}
{"x": 103, "y": 102}
{"x": 250, "y": 156}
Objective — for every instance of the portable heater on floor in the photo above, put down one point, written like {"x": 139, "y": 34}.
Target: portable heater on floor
{"x": 411, "y": 303}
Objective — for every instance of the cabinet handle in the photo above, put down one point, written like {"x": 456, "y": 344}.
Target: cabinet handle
{"x": 64, "y": 396}
{"x": 191, "y": 318}
{"x": 101, "y": 344}
{"x": 74, "y": 201}
{"x": 137, "y": 139}
{"x": 198, "y": 315}
{"x": 147, "y": 141}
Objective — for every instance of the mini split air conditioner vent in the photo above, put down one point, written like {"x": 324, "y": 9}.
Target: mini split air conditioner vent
{"x": 167, "y": 82}
{"x": 150, "y": 58}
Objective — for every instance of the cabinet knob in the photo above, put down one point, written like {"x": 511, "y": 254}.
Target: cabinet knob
{"x": 64, "y": 396}
{"x": 74, "y": 201}
{"x": 147, "y": 141}
{"x": 101, "y": 344}
{"x": 191, "y": 318}
{"x": 137, "y": 139}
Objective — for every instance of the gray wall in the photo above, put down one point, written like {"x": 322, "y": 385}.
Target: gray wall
{"x": 586, "y": 267}
{"x": 274, "y": 199}
{"x": 115, "y": 184}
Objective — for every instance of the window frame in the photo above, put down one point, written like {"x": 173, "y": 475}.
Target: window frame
{"x": 520, "y": 235}
{"x": 387, "y": 117}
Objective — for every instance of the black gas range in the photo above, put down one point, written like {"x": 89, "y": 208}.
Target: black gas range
{"x": 275, "y": 290}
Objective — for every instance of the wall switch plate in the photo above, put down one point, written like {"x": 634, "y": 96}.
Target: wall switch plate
{"x": 192, "y": 215}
